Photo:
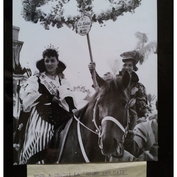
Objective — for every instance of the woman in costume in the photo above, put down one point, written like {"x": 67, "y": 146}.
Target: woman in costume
{"x": 47, "y": 98}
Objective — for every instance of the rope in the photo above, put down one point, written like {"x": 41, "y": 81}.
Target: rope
{"x": 94, "y": 115}
{"x": 81, "y": 143}
{"x": 84, "y": 125}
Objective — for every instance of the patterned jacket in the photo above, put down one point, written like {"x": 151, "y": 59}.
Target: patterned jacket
{"x": 138, "y": 97}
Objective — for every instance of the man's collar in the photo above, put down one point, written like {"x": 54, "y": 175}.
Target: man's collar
{"x": 134, "y": 76}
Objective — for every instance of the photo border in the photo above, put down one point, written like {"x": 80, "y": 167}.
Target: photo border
{"x": 164, "y": 167}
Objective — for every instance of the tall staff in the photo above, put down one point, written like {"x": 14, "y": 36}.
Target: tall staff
{"x": 83, "y": 28}
{"x": 89, "y": 46}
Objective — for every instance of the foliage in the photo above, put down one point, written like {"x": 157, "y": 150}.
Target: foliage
{"x": 143, "y": 49}
{"x": 32, "y": 12}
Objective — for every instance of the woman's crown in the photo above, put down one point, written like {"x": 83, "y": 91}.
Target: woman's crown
{"x": 51, "y": 46}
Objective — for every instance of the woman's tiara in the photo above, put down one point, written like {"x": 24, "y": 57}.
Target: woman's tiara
{"x": 51, "y": 46}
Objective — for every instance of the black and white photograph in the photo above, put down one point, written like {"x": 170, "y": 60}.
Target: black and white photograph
{"x": 85, "y": 85}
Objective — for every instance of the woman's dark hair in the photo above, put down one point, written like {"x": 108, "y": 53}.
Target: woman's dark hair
{"x": 50, "y": 53}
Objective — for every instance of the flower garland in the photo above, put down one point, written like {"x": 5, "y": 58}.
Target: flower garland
{"x": 31, "y": 12}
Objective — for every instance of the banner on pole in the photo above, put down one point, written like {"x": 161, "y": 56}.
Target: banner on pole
{"x": 84, "y": 25}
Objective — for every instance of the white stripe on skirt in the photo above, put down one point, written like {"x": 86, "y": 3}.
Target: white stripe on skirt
{"x": 38, "y": 134}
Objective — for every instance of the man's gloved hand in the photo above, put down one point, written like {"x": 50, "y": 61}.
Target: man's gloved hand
{"x": 92, "y": 67}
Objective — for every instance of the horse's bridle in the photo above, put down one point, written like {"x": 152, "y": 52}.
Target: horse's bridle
{"x": 99, "y": 129}
{"x": 112, "y": 119}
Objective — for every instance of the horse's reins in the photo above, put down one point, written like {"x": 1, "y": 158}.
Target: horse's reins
{"x": 80, "y": 137}
{"x": 107, "y": 118}
{"x": 112, "y": 119}
{"x": 95, "y": 132}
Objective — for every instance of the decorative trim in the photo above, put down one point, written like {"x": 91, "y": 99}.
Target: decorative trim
{"x": 109, "y": 118}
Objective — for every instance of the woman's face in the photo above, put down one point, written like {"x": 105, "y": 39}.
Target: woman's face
{"x": 51, "y": 64}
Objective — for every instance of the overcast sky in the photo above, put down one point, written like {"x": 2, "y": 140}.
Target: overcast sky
{"x": 107, "y": 42}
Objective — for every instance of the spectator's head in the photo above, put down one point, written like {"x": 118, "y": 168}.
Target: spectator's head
{"x": 107, "y": 76}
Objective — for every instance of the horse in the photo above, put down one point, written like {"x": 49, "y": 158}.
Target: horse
{"x": 100, "y": 130}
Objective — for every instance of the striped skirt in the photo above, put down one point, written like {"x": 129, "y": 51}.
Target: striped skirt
{"x": 38, "y": 135}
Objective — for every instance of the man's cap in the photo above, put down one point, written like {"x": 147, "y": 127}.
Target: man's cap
{"x": 133, "y": 55}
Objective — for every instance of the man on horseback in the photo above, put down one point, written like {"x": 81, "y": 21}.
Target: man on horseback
{"x": 138, "y": 97}
{"x": 137, "y": 92}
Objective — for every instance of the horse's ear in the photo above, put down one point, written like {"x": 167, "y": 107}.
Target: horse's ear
{"x": 126, "y": 80}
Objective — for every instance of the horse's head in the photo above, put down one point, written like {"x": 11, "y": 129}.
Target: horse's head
{"x": 110, "y": 114}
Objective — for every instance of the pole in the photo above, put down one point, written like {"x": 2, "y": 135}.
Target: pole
{"x": 91, "y": 59}
{"x": 89, "y": 46}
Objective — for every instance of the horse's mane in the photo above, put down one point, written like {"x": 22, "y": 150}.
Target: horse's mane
{"x": 111, "y": 86}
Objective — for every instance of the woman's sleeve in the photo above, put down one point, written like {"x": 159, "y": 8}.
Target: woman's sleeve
{"x": 65, "y": 90}
{"x": 70, "y": 102}
{"x": 29, "y": 93}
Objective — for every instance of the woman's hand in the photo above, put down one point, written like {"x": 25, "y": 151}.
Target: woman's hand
{"x": 55, "y": 99}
